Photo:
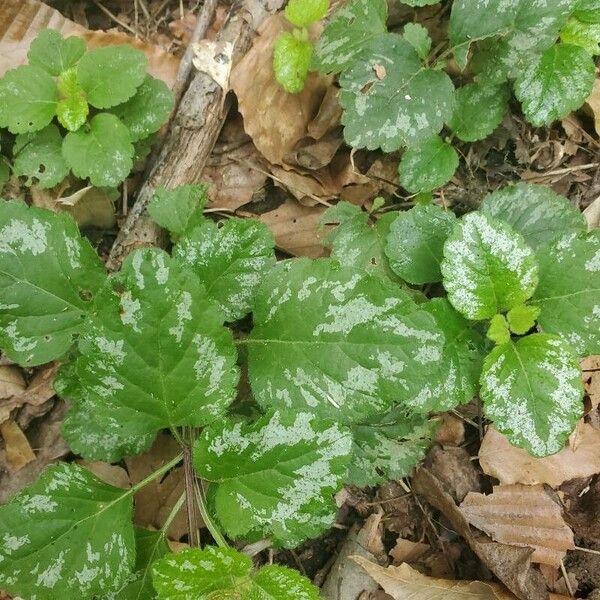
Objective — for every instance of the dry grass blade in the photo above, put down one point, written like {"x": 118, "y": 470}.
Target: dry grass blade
{"x": 522, "y": 516}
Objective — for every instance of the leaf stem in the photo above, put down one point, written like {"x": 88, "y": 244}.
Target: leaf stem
{"x": 154, "y": 475}
{"x": 208, "y": 521}
{"x": 176, "y": 508}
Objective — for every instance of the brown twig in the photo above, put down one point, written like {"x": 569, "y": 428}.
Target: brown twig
{"x": 115, "y": 18}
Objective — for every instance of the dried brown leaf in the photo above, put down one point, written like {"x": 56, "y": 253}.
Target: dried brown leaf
{"x": 406, "y": 551}
{"x": 591, "y": 377}
{"x": 18, "y": 449}
{"x": 296, "y": 228}
{"x": 510, "y": 564}
{"x": 592, "y": 105}
{"x": 274, "y": 119}
{"x": 22, "y": 20}
{"x": 11, "y": 381}
{"x": 404, "y": 582}
{"x": 154, "y": 502}
{"x": 111, "y": 474}
{"x": 46, "y": 438}
{"x": 510, "y": 465}
{"x": 521, "y": 515}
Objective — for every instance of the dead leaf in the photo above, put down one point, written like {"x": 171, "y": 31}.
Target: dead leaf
{"x": 296, "y": 228}
{"x": 46, "y": 438}
{"x": 154, "y": 502}
{"x": 380, "y": 71}
{"x": 215, "y": 59}
{"x": 39, "y": 391}
{"x": 592, "y": 105}
{"x": 510, "y": 465}
{"x": 18, "y": 450}
{"x": 455, "y": 470}
{"x": 89, "y": 206}
{"x": 592, "y": 214}
{"x": 451, "y": 432}
{"x": 328, "y": 116}
{"x": 404, "y": 582}
{"x": 22, "y": 20}
{"x": 406, "y": 551}
{"x": 11, "y": 381}
{"x": 591, "y": 379}
{"x": 111, "y": 474}
{"x": 274, "y": 119}
{"x": 521, "y": 515}
{"x": 510, "y": 564}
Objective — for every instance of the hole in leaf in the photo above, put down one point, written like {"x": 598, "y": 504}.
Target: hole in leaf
{"x": 85, "y": 295}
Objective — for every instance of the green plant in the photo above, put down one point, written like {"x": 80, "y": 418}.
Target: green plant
{"x": 347, "y": 359}
{"x": 396, "y": 93}
{"x": 293, "y": 51}
{"x": 80, "y": 112}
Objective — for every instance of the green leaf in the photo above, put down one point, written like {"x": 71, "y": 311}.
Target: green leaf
{"x": 150, "y": 546}
{"x": 556, "y": 84}
{"x": 48, "y": 275}
{"x": 569, "y": 290}
{"x": 102, "y": 152}
{"x": 406, "y": 106}
{"x": 291, "y": 61}
{"x": 274, "y": 582}
{"x": 354, "y": 242}
{"x": 276, "y": 477}
{"x": 351, "y": 28}
{"x": 522, "y": 28}
{"x": 580, "y": 33}
{"x": 148, "y": 110}
{"x": 532, "y": 390}
{"x": 387, "y": 448}
{"x": 498, "y": 331}
{"x": 53, "y": 53}
{"x": 479, "y": 109}
{"x": 28, "y": 97}
{"x": 588, "y": 11}
{"x": 418, "y": 37}
{"x": 427, "y": 166}
{"x": 223, "y": 573}
{"x": 456, "y": 380}
{"x": 111, "y": 75}
{"x": 68, "y": 535}
{"x": 179, "y": 210}
{"x": 156, "y": 355}
{"x": 420, "y": 2}
{"x": 538, "y": 213}
{"x": 303, "y": 13}
{"x": 38, "y": 156}
{"x": 415, "y": 244}
{"x": 522, "y": 318}
{"x": 337, "y": 341}
{"x": 487, "y": 267}
{"x": 230, "y": 259}
{"x": 202, "y": 574}
{"x": 72, "y": 110}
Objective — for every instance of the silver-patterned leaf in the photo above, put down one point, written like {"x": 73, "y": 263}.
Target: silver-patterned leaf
{"x": 569, "y": 290}
{"x": 390, "y": 99}
{"x": 68, "y": 535}
{"x": 156, "y": 355}
{"x": 487, "y": 267}
{"x": 387, "y": 448}
{"x": 48, "y": 277}
{"x": 338, "y": 342}
{"x": 532, "y": 390}
{"x": 351, "y": 27}
{"x": 230, "y": 259}
{"x": 557, "y": 83}
{"x": 538, "y": 213}
{"x": 276, "y": 477}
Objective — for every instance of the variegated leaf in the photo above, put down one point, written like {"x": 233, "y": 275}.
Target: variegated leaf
{"x": 532, "y": 390}
{"x": 487, "y": 267}
{"x": 276, "y": 477}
